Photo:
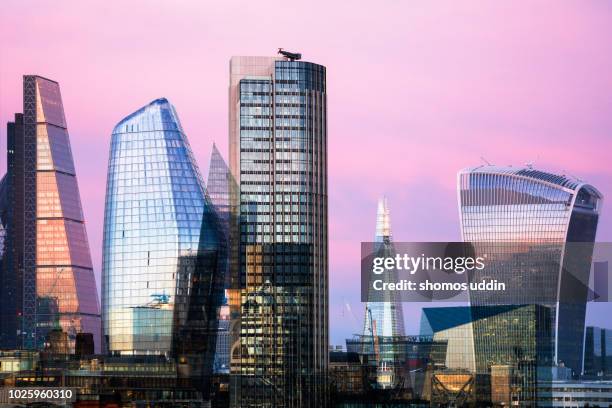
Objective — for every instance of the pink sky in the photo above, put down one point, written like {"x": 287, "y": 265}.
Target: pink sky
{"x": 416, "y": 91}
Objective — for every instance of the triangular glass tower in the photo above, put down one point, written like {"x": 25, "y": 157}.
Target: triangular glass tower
{"x": 383, "y": 327}
{"x": 383, "y": 317}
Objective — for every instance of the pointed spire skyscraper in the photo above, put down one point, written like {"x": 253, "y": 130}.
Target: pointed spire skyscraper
{"x": 384, "y": 316}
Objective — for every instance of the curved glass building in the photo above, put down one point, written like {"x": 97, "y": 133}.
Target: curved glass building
{"x": 537, "y": 230}
{"x": 160, "y": 240}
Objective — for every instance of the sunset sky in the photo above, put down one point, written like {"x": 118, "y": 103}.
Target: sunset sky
{"x": 416, "y": 91}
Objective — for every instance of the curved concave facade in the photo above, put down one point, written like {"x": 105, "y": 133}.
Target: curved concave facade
{"x": 537, "y": 230}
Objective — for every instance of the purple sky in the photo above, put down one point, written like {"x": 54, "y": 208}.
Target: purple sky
{"x": 416, "y": 91}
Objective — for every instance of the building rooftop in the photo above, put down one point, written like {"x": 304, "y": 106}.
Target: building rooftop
{"x": 564, "y": 180}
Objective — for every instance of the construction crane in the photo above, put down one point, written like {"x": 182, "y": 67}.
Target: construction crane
{"x": 375, "y": 345}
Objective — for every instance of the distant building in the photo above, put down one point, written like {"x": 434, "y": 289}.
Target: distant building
{"x": 415, "y": 359}
{"x": 347, "y": 374}
{"x": 384, "y": 310}
{"x": 572, "y": 394}
{"x": 499, "y": 345}
{"x": 453, "y": 325}
{"x": 102, "y": 381}
{"x": 452, "y": 388}
{"x": 598, "y": 352}
{"x": 384, "y": 315}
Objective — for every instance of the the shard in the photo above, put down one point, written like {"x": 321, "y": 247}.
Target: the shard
{"x": 384, "y": 317}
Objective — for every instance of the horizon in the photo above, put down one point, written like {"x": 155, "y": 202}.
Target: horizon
{"x": 547, "y": 89}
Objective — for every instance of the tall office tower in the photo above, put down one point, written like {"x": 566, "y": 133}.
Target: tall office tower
{"x": 384, "y": 316}
{"x": 537, "y": 230}
{"x": 160, "y": 276}
{"x": 278, "y": 155}
{"x": 7, "y": 313}
{"x": 48, "y": 283}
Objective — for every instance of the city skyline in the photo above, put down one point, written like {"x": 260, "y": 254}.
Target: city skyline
{"x": 555, "y": 99}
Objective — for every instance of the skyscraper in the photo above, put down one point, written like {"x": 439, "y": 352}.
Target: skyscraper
{"x": 47, "y": 276}
{"x": 384, "y": 316}
{"x": 160, "y": 240}
{"x": 383, "y": 310}
{"x": 537, "y": 230}
{"x": 278, "y": 155}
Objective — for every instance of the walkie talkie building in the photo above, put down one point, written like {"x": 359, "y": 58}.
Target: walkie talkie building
{"x": 537, "y": 230}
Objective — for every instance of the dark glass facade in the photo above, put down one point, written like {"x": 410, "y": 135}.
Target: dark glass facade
{"x": 278, "y": 155}
{"x": 598, "y": 352}
{"x": 48, "y": 277}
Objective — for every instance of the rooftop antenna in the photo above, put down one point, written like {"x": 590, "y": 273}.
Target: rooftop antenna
{"x": 485, "y": 160}
{"x": 291, "y": 56}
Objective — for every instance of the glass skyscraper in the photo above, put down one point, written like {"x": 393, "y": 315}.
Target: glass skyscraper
{"x": 537, "y": 230}
{"x": 278, "y": 156}
{"x": 47, "y": 277}
{"x": 161, "y": 279}
{"x": 384, "y": 310}
{"x": 384, "y": 316}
